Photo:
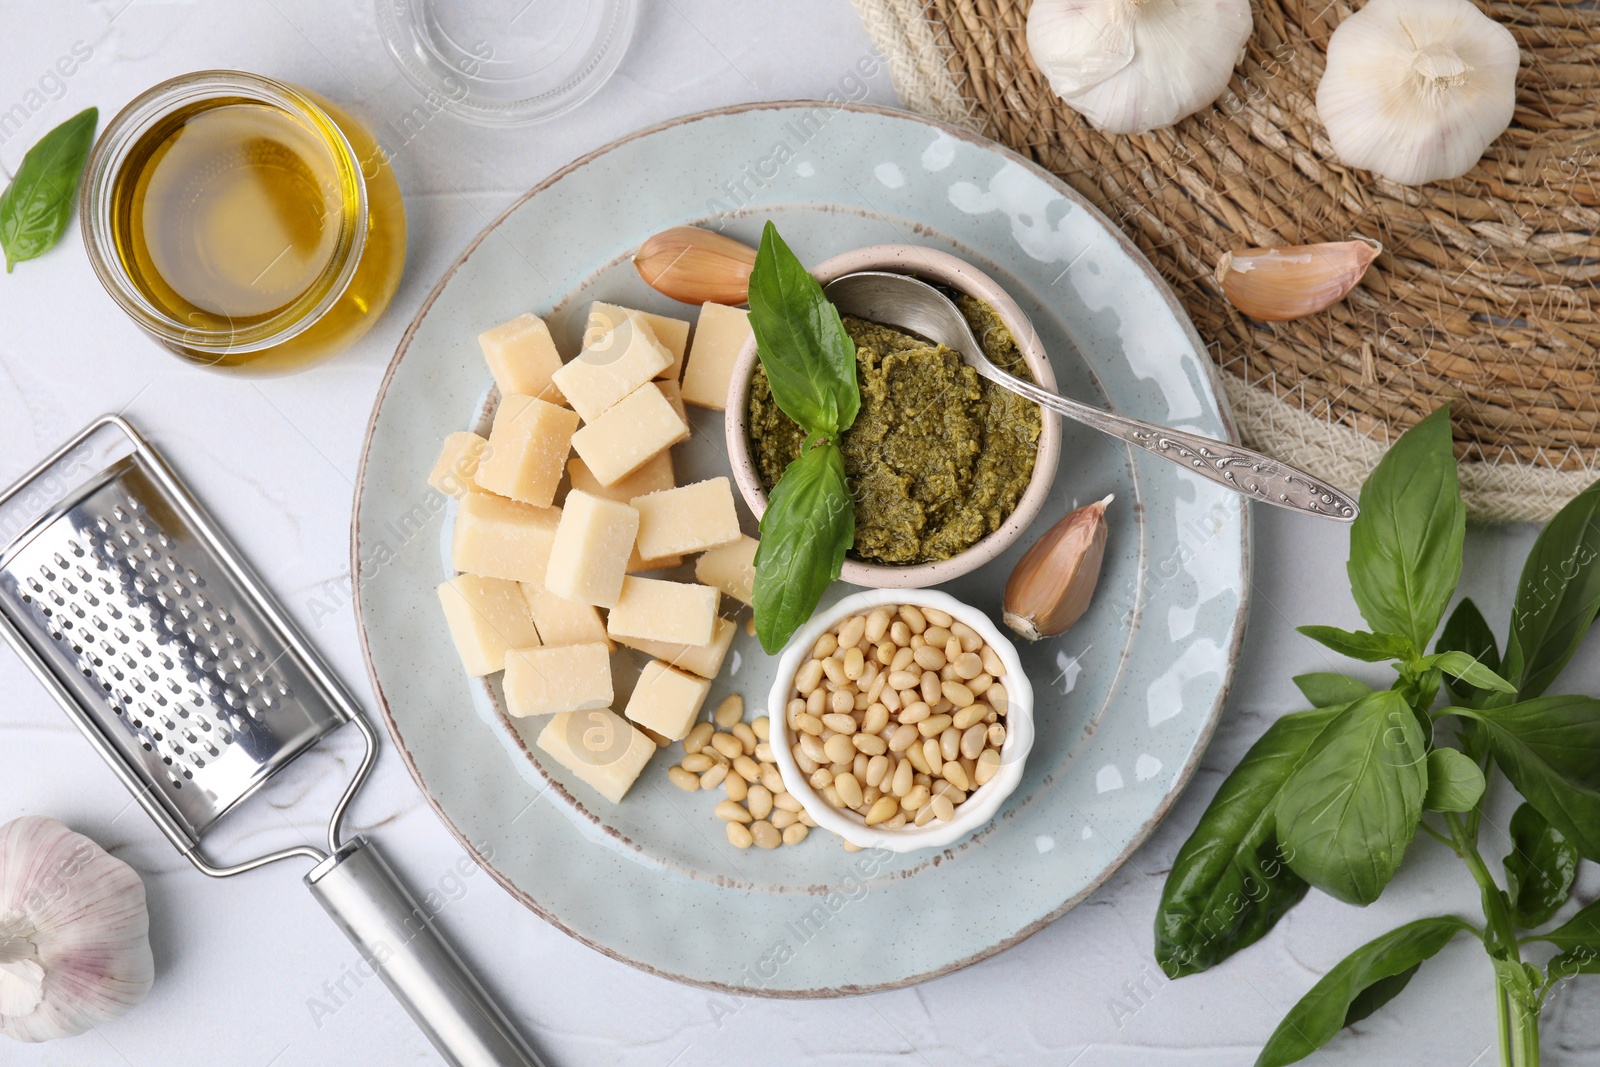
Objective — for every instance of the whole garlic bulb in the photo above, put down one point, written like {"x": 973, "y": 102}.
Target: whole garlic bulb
{"x": 1135, "y": 65}
{"x": 1415, "y": 90}
{"x": 74, "y": 932}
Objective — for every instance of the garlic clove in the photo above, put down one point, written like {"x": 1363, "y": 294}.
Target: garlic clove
{"x": 1279, "y": 284}
{"x": 695, "y": 265}
{"x": 1416, "y": 90}
{"x": 1135, "y": 65}
{"x": 74, "y": 932}
{"x": 1054, "y": 581}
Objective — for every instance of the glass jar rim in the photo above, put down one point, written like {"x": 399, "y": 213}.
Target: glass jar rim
{"x": 128, "y": 128}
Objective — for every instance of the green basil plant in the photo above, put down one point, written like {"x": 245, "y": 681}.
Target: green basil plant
{"x": 1332, "y": 796}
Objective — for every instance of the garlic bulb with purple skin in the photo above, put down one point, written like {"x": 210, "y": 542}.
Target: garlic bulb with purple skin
{"x": 74, "y": 932}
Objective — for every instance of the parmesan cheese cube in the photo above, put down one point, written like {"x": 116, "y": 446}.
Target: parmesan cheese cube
{"x": 488, "y": 617}
{"x": 664, "y": 611}
{"x": 561, "y": 621}
{"x": 521, "y": 356}
{"x": 602, "y": 748}
{"x": 718, "y": 338}
{"x": 672, "y": 333}
{"x": 692, "y": 518}
{"x": 674, "y": 394}
{"x": 704, "y": 660}
{"x": 666, "y": 701}
{"x": 528, "y": 449}
{"x": 730, "y": 568}
{"x": 654, "y": 476}
{"x": 499, "y": 538}
{"x": 590, "y": 555}
{"x": 453, "y": 473}
{"x": 629, "y": 434}
{"x": 611, "y": 367}
{"x": 540, "y": 681}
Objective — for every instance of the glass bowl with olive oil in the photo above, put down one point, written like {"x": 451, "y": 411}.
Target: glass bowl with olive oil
{"x": 247, "y": 224}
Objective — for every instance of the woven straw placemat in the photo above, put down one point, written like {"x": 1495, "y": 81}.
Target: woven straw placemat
{"x": 1485, "y": 295}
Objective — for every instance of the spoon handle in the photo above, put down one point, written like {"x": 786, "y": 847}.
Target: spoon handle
{"x": 1241, "y": 469}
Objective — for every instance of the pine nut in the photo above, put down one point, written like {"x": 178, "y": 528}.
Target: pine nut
{"x": 730, "y": 711}
{"x": 932, "y": 754}
{"x": 739, "y": 835}
{"x": 876, "y": 719}
{"x": 763, "y": 728}
{"x": 732, "y": 811}
{"x": 830, "y": 793}
{"x": 929, "y": 658}
{"x": 747, "y": 768}
{"x": 793, "y": 711}
{"x": 793, "y": 835}
{"x": 937, "y": 617}
{"x": 901, "y": 784}
{"x": 871, "y": 744}
{"x": 805, "y": 817}
{"x": 783, "y": 819}
{"x": 913, "y": 618}
{"x": 763, "y": 752}
{"x": 903, "y": 738}
{"x": 813, "y": 748}
{"x": 957, "y": 694}
{"x": 824, "y": 647}
{"x": 914, "y": 799}
{"x": 992, "y": 663}
{"x": 914, "y": 713}
{"x": 988, "y": 764}
{"x": 919, "y": 759}
{"x": 886, "y": 652}
{"x": 934, "y": 725}
{"x": 808, "y": 677}
{"x": 736, "y": 787}
{"x": 900, "y": 633}
{"x": 839, "y": 723}
{"x": 997, "y": 735}
{"x": 771, "y": 778}
{"x": 930, "y": 687}
{"x": 955, "y": 775}
{"x": 969, "y": 665}
{"x": 877, "y": 767}
{"x": 821, "y": 777}
{"x": 999, "y": 700}
{"x": 834, "y": 670}
{"x": 952, "y": 650}
{"x": 746, "y": 736}
{"x": 803, "y": 761}
{"x": 698, "y": 737}
{"x": 683, "y": 779}
{"x": 849, "y": 790}
{"x": 854, "y": 664}
{"x": 974, "y": 740}
{"x": 851, "y": 632}
{"x": 713, "y": 778}
{"x": 970, "y": 715}
{"x": 809, "y": 724}
{"x": 877, "y": 626}
{"x": 950, "y": 743}
{"x": 890, "y": 699}
{"x": 858, "y": 766}
{"x": 942, "y": 809}
{"x": 838, "y": 749}
{"x": 937, "y": 636}
{"x": 841, "y": 702}
{"x": 924, "y": 815}
{"x": 759, "y": 801}
{"x": 883, "y": 810}
{"x": 727, "y": 744}
{"x": 848, "y": 847}
{"x": 787, "y": 802}
{"x": 698, "y": 763}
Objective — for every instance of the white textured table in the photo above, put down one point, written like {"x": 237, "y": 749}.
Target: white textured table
{"x": 250, "y": 971}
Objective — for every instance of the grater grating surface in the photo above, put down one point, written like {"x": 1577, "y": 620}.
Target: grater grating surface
{"x": 165, "y": 655}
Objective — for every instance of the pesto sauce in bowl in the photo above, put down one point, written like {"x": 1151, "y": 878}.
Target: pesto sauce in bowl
{"x": 937, "y": 457}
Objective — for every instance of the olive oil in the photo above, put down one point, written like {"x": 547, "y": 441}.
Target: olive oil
{"x": 260, "y": 232}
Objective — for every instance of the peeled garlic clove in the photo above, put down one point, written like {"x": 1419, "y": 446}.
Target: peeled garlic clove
{"x": 1055, "y": 579}
{"x": 694, "y": 266}
{"x": 1279, "y": 284}
{"x": 1415, "y": 90}
{"x": 1136, "y": 65}
{"x": 74, "y": 933}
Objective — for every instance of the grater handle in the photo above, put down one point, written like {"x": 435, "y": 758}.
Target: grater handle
{"x": 397, "y": 937}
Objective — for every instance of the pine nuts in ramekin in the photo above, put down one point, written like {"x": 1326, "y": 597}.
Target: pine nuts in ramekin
{"x": 913, "y": 705}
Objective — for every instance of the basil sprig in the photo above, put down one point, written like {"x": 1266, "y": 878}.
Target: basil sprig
{"x": 1333, "y": 798}
{"x": 36, "y": 206}
{"x": 810, "y": 362}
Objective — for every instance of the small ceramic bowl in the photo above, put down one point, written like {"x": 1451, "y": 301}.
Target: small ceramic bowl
{"x": 981, "y": 805}
{"x": 946, "y": 270}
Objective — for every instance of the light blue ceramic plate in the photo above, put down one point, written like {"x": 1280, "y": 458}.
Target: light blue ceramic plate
{"x": 1126, "y": 699}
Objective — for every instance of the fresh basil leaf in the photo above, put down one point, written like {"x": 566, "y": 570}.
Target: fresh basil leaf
{"x": 808, "y": 525}
{"x": 1349, "y": 811}
{"x": 1463, "y": 666}
{"x": 1519, "y": 981}
{"x": 1325, "y": 689}
{"x": 1405, "y": 546}
{"x": 1467, "y": 631}
{"x": 1540, "y": 868}
{"x": 1557, "y": 597}
{"x": 1228, "y": 885}
{"x": 1360, "y": 644}
{"x": 1455, "y": 783}
{"x": 1582, "y": 931}
{"x": 809, "y": 358}
{"x": 1550, "y": 749}
{"x": 1358, "y": 985}
{"x": 36, "y": 206}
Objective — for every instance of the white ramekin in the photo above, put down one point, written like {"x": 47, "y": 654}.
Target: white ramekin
{"x": 981, "y": 805}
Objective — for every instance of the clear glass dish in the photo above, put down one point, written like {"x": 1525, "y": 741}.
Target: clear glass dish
{"x": 507, "y": 62}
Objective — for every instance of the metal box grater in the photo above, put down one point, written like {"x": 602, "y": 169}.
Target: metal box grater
{"x": 135, "y": 611}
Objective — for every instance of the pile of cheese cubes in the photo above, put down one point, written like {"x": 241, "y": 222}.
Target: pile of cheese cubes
{"x": 538, "y": 567}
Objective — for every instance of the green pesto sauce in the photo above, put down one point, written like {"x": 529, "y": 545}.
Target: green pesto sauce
{"x": 937, "y": 457}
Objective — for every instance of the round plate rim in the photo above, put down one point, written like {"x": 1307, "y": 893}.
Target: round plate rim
{"x": 1207, "y": 728}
